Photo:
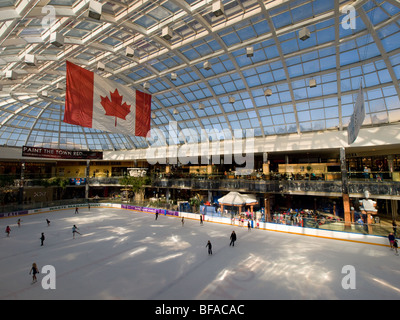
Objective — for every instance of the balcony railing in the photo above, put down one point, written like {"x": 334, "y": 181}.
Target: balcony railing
{"x": 390, "y": 188}
{"x": 376, "y": 183}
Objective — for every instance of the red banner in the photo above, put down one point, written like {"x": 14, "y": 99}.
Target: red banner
{"x": 60, "y": 153}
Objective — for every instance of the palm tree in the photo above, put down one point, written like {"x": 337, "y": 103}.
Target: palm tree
{"x": 135, "y": 184}
{"x": 195, "y": 202}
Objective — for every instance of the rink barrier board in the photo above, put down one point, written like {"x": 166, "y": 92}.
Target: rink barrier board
{"x": 295, "y": 230}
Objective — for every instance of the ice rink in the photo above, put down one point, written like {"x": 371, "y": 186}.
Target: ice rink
{"x": 123, "y": 254}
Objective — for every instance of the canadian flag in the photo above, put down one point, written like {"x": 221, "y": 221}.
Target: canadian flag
{"x": 95, "y": 102}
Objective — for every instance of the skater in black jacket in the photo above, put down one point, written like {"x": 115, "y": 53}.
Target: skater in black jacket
{"x": 233, "y": 239}
{"x": 209, "y": 245}
{"x": 42, "y": 239}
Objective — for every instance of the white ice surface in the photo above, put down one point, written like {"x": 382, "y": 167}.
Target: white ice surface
{"x": 123, "y": 254}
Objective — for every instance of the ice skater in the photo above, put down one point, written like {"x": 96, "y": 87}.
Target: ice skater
{"x": 8, "y": 230}
{"x": 19, "y": 223}
{"x": 183, "y": 221}
{"x": 248, "y": 226}
{"x": 391, "y": 240}
{"x": 48, "y": 222}
{"x": 201, "y": 218}
{"x": 156, "y": 215}
{"x": 395, "y": 246}
{"x": 74, "y": 230}
{"x": 34, "y": 270}
{"x": 233, "y": 239}
{"x": 42, "y": 237}
{"x": 76, "y": 210}
{"x": 209, "y": 246}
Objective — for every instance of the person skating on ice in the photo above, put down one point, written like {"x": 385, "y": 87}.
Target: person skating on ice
{"x": 209, "y": 246}
{"x": 76, "y": 210}
{"x": 42, "y": 237}
{"x": 391, "y": 239}
{"x": 183, "y": 220}
{"x": 8, "y": 230}
{"x": 233, "y": 239}
{"x": 74, "y": 230}
{"x": 19, "y": 223}
{"x": 48, "y": 222}
{"x": 34, "y": 270}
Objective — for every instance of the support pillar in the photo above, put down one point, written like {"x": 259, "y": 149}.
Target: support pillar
{"x": 394, "y": 209}
{"x": 347, "y": 211}
{"x": 345, "y": 189}
{"x": 87, "y": 180}
{"x": 267, "y": 206}
{"x": 22, "y": 182}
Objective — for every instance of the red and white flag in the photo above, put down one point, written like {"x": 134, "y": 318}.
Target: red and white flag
{"x": 95, "y": 102}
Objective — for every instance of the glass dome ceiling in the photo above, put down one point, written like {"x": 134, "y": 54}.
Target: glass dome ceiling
{"x": 268, "y": 92}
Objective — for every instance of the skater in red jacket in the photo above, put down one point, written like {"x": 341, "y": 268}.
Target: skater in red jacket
{"x": 8, "y": 230}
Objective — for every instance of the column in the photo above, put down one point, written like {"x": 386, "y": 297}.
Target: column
{"x": 87, "y": 179}
{"x": 390, "y": 159}
{"x": 267, "y": 206}
{"x": 345, "y": 189}
{"x": 394, "y": 208}
{"x": 22, "y": 182}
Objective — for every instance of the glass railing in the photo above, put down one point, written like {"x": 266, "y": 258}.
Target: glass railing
{"x": 373, "y": 176}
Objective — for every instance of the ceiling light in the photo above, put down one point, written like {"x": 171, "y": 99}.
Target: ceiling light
{"x": 207, "y": 65}
{"x": 11, "y": 75}
{"x": 44, "y": 93}
{"x": 249, "y": 52}
{"x": 175, "y": 111}
{"x": 313, "y": 83}
{"x": 100, "y": 66}
{"x": 166, "y": 33}
{"x": 129, "y": 52}
{"x": 232, "y": 99}
{"x": 146, "y": 85}
{"x": 174, "y": 76}
{"x": 268, "y": 92}
{"x": 57, "y": 39}
{"x": 153, "y": 115}
{"x": 95, "y": 9}
{"x": 217, "y": 8}
{"x": 201, "y": 106}
{"x": 30, "y": 60}
{"x": 304, "y": 34}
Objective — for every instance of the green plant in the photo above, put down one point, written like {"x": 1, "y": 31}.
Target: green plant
{"x": 135, "y": 184}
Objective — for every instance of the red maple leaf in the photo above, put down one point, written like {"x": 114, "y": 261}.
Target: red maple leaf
{"x": 115, "y": 107}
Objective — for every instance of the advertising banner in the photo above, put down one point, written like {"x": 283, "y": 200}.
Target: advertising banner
{"x": 38, "y": 152}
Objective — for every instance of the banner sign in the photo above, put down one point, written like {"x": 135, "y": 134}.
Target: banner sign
{"x": 38, "y": 152}
{"x": 151, "y": 210}
{"x": 357, "y": 118}
{"x": 12, "y": 214}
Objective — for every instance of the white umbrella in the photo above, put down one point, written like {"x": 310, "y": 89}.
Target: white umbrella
{"x": 234, "y": 198}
